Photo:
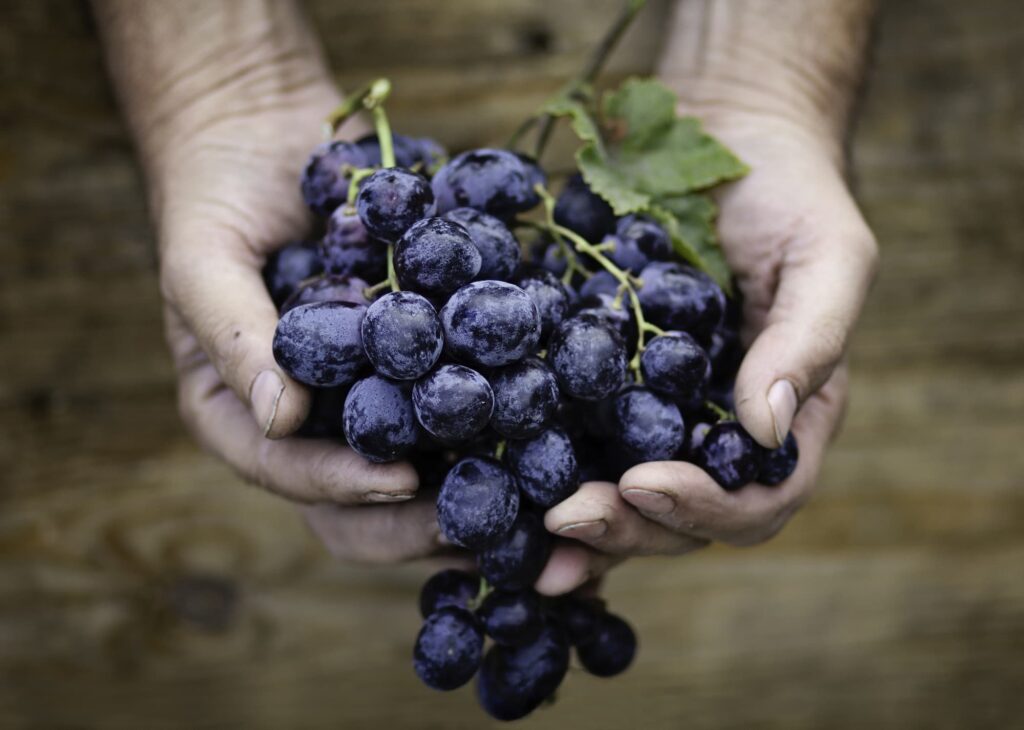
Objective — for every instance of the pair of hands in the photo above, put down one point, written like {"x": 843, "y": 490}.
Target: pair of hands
{"x": 228, "y": 196}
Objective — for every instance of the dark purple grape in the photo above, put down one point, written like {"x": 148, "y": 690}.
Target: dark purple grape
{"x": 406, "y": 149}
{"x": 610, "y": 649}
{"x": 678, "y": 297}
{"x": 327, "y": 288}
{"x": 730, "y": 455}
{"x": 499, "y": 249}
{"x": 534, "y": 174}
{"x": 583, "y": 211}
{"x": 516, "y": 560}
{"x": 545, "y": 466}
{"x": 448, "y": 649}
{"x": 726, "y": 353}
{"x": 324, "y": 419}
{"x": 379, "y": 421}
{"x": 391, "y": 200}
{"x": 490, "y": 324}
{"x": 448, "y": 588}
{"x": 648, "y": 238}
{"x": 626, "y": 254}
{"x": 435, "y": 257}
{"x": 287, "y": 267}
{"x": 778, "y": 464}
{"x": 324, "y": 186}
{"x": 515, "y": 680}
{"x": 402, "y": 335}
{"x": 553, "y": 260}
{"x": 602, "y": 283}
{"x": 319, "y": 344}
{"x": 549, "y": 295}
{"x": 588, "y": 357}
{"x": 453, "y": 403}
{"x": 347, "y": 248}
{"x": 492, "y": 181}
{"x": 675, "y": 366}
{"x": 579, "y": 616}
{"x": 648, "y": 427}
{"x": 478, "y": 503}
{"x": 525, "y": 398}
{"x": 512, "y": 618}
{"x": 429, "y": 152}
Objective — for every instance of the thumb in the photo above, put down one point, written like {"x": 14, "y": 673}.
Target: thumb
{"x": 827, "y": 268}
{"x": 212, "y": 279}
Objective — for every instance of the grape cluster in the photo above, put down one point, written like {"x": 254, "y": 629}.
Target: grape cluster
{"x": 507, "y": 374}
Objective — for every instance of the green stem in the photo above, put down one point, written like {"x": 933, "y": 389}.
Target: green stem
{"x": 723, "y": 415}
{"x": 499, "y": 450}
{"x": 594, "y": 65}
{"x": 353, "y": 184}
{"x": 374, "y": 101}
{"x": 352, "y": 104}
{"x": 481, "y": 594}
{"x": 371, "y": 291}
{"x": 392, "y": 277}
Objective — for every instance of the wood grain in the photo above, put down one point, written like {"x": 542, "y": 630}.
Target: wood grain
{"x": 142, "y": 586}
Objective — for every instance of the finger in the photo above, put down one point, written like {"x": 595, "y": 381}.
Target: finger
{"x": 682, "y": 497}
{"x": 380, "y": 533}
{"x": 212, "y": 280}
{"x": 570, "y": 566}
{"x": 829, "y": 265}
{"x": 598, "y": 516}
{"x": 306, "y": 470}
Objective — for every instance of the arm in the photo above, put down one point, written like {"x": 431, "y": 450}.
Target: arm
{"x": 225, "y": 100}
{"x": 775, "y": 80}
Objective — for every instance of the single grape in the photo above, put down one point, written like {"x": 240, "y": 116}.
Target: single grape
{"x": 347, "y": 248}
{"x": 553, "y": 259}
{"x": 453, "y": 403}
{"x": 478, "y": 503}
{"x": 448, "y": 588}
{"x": 730, "y": 455}
{"x": 512, "y": 618}
{"x": 675, "y": 366}
{"x": 490, "y": 180}
{"x": 778, "y": 464}
{"x": 324, "y": 419}
{"x": 534, "y": 174}
{"x": 525, "y": 398}
{"x": 402, "y": 335}
{"x": 515, "y": 680}
{"x": 588, "y": 357}
{"x": 490, "y": 324}
{"x": 648, "y": 427}
{"x": 602, "y": 283}
{"x": 549, "y": 295}
{"x": 610, "y": 649}
{"x": 516, "y": 560}
{"x": 583, "y": 211}
{"x": 288, "y": 267}
{"x": 499, "y": 249}
{"x": 580, "y": 618}
{"x": 435, "y": 257}
{"x": 545, "y": 466}
{"x": 391, "y": 200}
{"x": 379, "y": 420}
{"x": 448, "y": 649}
{"x": 327, "y": 288}
{"x": 625, "y": 254}
{"x": 649, "y": 239}
{"x": 324, "y": 185}
{"x": 678, "y": 297}
{"x": 319, "y": 344}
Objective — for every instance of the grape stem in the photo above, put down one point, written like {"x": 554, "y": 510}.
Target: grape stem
{"x": 370, "y": 96}
{"x": 604, "y": 49}
{"x": 485, "y": 590}
{"x": 392, "y": 277}
{"x": 627, "y": 282}
{"x": 499, "y": 450}
{"x": 723, "y": 415}
{"x": 358, "y": 175}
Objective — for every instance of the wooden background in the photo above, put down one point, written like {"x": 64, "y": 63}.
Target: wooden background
{"x": 141, "y": 586}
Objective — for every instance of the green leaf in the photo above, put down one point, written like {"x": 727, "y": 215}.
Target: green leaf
{"x": 639, "y": 111}
{"x": 582, "y": 122}
{"x": 608, "y": 182}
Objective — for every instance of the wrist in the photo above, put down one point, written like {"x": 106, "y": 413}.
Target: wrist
{"x": 782, "y": 66}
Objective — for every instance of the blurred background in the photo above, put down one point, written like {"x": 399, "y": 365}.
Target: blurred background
{"x": 142, "y": 585}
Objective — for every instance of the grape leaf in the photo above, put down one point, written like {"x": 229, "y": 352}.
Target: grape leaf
{"x": 690, "y": 221}
{"x": 582, "y": 122}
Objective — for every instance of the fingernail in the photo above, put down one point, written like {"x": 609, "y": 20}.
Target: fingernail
{"x": 264, "y": 396}
{"x": 388, "y": 497}
{"x": 647, "y": 501}
{"x": 584, "y": 530}
{"x": 782, "y": 404}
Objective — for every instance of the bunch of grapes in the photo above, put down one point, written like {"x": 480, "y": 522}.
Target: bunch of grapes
{"x": 507, "y": 374}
